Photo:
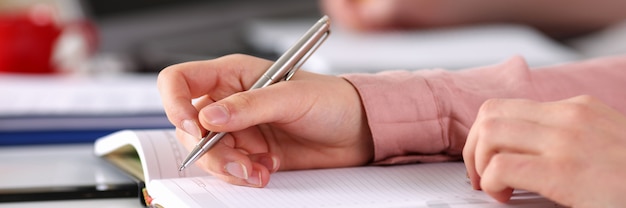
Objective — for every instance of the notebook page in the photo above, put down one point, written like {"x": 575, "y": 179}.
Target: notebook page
{"x": 163, "y": 154}
{"x": 160, "y": 152}
{"x": 419, "y": 185}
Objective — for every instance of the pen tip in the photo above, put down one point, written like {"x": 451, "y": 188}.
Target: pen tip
{"x": 182, "y": 167}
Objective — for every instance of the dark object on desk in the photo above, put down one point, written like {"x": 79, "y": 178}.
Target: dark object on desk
{"x": 63, "y": 193}
{"x": 60, "y": 172}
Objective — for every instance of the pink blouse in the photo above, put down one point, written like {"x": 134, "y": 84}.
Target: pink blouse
{"x": 425, "y": 115}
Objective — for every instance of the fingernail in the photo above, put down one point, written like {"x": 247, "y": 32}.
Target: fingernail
{"x": 270, "y": 163}
{"x": 216, "y": 114}
{"x": 274, "y": 163}
{"x": 191, "y": 128}
{"x": 237, "y": 169}
{"x": 255, "y": 179}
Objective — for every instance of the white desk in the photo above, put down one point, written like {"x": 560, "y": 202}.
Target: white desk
{"x": 59, "y": 165}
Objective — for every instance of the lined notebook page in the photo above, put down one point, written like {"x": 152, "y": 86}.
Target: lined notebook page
{"x": 160, "y": 152}
{"x": 163, "y": 154}
{"x": 421, "y": 185}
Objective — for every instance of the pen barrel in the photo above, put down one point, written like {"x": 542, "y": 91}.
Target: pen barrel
{"x": 287, "y": 64}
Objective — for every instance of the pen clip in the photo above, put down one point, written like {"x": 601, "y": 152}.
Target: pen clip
{"x": 306, "y": 56}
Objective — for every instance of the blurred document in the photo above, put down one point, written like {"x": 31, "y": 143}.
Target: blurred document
{"x": 448, "y": 48}
{"x": 37, "y": 103}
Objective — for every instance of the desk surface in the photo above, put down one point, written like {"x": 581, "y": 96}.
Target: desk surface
{"x": 68, "y": 165}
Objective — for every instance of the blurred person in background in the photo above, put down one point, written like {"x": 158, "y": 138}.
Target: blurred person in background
{"x": 560, "y": 18}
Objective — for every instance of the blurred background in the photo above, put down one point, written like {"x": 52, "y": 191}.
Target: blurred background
{"x": 138, "y": 35}
{"x": 157, "y": 33}
{"x": 103, "y": 36}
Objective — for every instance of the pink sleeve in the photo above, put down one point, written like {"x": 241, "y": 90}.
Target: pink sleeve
{"x": 425, "y": 115}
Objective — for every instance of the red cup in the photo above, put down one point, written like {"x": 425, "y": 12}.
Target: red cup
{"x": 28, "y": 40}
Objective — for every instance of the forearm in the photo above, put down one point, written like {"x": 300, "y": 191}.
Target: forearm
{"x": 425, "y": 115}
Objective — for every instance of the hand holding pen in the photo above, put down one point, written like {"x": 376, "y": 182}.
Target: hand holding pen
{"x": 282, "y": 70}
{"x": 311, "y": 121}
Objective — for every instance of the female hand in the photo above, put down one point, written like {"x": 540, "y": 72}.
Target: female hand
{"x": 310, "y": 121}
{"x": 571, "y": 151}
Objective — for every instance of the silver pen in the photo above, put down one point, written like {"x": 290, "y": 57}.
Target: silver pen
{"x": 282, "y": 70}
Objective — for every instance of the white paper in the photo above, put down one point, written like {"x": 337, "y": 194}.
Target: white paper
{"x": 53, "y": 102}
{"x": 417, "y": 185}
{"x": 159, "y": 151}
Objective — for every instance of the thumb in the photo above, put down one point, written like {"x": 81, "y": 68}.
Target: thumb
{"x": 277, "y": 103}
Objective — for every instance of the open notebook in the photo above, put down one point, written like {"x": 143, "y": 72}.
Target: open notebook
{"x": 158, "y": 155}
